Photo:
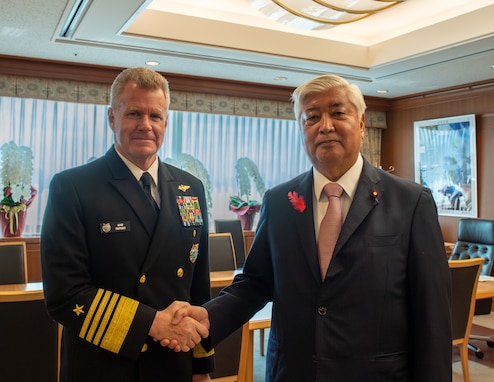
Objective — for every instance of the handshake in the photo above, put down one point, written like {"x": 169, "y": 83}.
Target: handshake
{"x": 180, "y": 326}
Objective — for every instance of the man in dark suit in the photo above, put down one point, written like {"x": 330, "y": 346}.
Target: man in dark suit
{"x": 381, "y": 311}
{"x": 115, "y": 258}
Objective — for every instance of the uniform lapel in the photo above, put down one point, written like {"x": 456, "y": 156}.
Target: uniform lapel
{"x": 168, "y": 217}
{"x": 126, "y": 184}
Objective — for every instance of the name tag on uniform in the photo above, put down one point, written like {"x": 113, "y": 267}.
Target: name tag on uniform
{"x": 190, "y": 210}
{"x": 114, "y": 227}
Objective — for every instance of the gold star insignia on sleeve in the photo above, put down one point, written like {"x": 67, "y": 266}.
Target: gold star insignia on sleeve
{"x": 183, "y": 187}
{"x": 78, "y": 309}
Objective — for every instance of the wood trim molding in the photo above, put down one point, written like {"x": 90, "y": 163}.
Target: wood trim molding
{"x": 22, "y": 66}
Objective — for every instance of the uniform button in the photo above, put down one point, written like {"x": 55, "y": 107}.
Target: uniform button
{"x": 322, "y": 310}
{"x": 142, "y": 279}
{"x": 180, "y": 272}
{"x": 144, "y": 348}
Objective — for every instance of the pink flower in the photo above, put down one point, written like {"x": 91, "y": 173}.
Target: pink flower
{"x": 297, "y": 201}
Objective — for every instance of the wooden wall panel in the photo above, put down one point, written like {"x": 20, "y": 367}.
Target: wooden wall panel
{"x": 397, "y": 139}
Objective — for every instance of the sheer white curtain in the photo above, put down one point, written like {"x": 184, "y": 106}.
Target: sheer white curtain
{"x": 63, "y": 135}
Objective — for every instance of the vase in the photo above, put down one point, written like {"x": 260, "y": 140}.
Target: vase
{"x": 14, "y": 227}
{"x": 247, "y": 220}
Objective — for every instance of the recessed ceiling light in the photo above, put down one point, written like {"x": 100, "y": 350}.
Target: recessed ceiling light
{"x": 382, "y": 91}
{"x": 280, "y": 78}
{"x": 152, "y": 63}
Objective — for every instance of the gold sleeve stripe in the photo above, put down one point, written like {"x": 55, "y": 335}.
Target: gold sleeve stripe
{"x": 100, "y": 310}
{"x": 90, "y": 313}
{"x": 200, "y": 352}
{"x": 108, "y": 320}
{"x": 120, "y": 324}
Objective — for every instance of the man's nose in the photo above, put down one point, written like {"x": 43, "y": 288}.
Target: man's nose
{"x": 145, "y": 123}
{"x": 326, "y": 124}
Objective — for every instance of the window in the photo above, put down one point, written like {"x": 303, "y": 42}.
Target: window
{"x": 64, "y": 135}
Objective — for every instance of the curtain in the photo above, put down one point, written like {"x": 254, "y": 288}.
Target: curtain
{"x": 64, "y": 135}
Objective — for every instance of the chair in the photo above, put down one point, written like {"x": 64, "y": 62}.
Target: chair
{"x": 476, "y": 240}
{"x": 13, "y": 263}
{"x": 464, "y": 279}
{"x": 234, "y": 227}
{"x": 221, "y": 252}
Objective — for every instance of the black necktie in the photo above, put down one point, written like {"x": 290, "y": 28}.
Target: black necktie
{"x": 146, "y": 181}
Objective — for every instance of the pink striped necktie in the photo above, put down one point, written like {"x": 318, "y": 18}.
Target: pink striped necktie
{"x": 330, "y": 227}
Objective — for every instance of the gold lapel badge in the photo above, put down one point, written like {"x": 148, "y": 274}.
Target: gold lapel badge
{"x": 183, "y": 187}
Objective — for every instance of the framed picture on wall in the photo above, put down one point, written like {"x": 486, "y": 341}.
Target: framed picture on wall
{"x": 446, "y": 163}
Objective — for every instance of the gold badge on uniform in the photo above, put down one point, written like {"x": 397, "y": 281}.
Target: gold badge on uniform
{"x": 194, "y": 252}
{"x": 105, "y": 227}
{"x": 183, "y": 187}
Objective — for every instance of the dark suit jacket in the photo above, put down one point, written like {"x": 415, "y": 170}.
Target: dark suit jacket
{"x": 109, "y": 262}
{"x": 382, "y": 313}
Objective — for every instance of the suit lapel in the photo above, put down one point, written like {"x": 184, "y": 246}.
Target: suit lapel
{"x": 362, "y": 204}
{"x": 305, "y": 224}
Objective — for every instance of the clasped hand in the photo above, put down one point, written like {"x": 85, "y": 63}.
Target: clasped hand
{"x": 180, "y": 326}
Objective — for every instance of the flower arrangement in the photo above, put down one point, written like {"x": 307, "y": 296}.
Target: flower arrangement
{"x": 16, "y": 177}
{"x": 241, "y": 204}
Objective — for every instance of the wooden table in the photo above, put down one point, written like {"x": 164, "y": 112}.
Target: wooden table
{"x": 485, "y": 289}
{"x": 21, "y": 292}
{"x": 221, "y": 279}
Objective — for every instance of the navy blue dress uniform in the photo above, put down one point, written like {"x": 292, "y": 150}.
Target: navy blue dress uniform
{"x": 110, "y": 261}
{"x": 382, "y": 314}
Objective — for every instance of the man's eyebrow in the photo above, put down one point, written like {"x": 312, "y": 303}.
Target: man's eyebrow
{"x": 313, "y": 108}
{"x": 337, "y": 104}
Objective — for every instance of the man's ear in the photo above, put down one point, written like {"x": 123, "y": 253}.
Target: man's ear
{"x": 111, "y": 118}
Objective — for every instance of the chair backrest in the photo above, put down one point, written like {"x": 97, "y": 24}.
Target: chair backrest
{"x": 464, "y": 279}
{"x": 475, "y": 239}
{"x": 221, "y": 252}
{"x": 13, "y": 263}
{"x": 233, "y": 226}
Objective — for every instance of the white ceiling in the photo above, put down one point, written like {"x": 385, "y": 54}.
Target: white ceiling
{"x": 413, "y": 47}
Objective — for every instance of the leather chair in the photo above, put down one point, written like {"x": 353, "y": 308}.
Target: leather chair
{"x": 476, "y": 240}
{"x": 221, "y": 252}
{"x": 13, "y": 263}
{"x": 464, "y": 279}
{"x": 234, "y": 227}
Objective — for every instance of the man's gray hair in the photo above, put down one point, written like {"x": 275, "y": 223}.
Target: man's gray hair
{"x": 144, "y": 78}
{"x": 322, "y": 83}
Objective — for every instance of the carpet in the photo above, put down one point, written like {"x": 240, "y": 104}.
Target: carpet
{"x": 488, "y": 359}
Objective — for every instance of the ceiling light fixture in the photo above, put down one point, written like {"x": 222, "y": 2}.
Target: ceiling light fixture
{"x": 152, "y": 63}
{"x": 319, "y": 14}
{"x": 381, "y": 91}
{"x": 280, "y": 78}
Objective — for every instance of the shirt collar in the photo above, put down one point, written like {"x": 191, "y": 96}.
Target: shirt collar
{"x": 348, "y": 181}
{"x": 137, "y": 172}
